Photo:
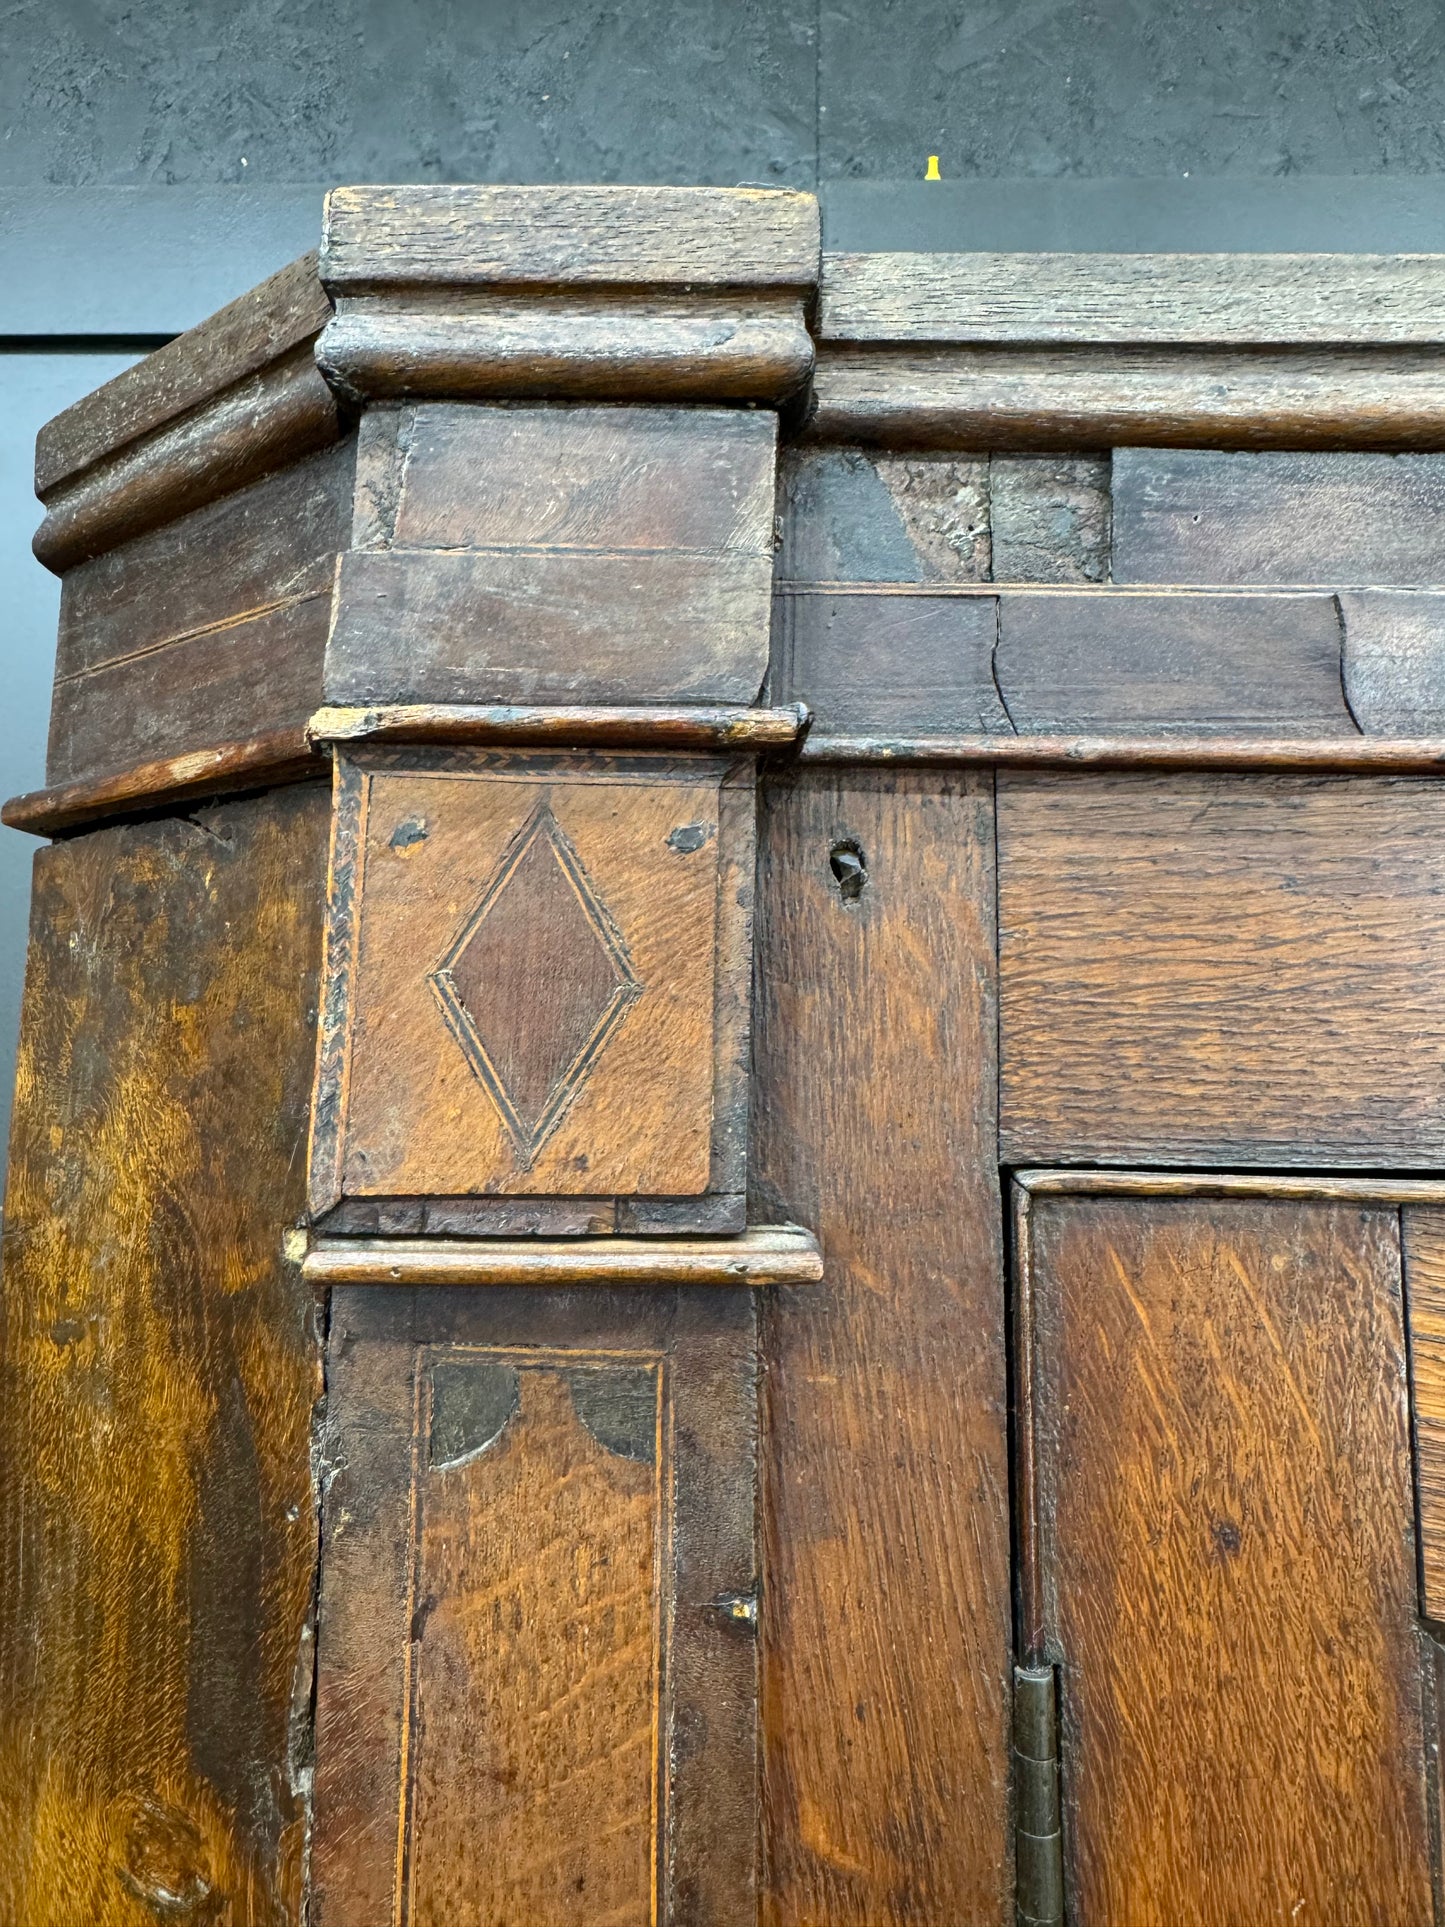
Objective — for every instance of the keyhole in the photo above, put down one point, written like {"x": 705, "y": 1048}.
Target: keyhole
{"x": 850, "y": 871}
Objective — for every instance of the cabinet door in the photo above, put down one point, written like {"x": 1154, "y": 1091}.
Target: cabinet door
{"x": 537, "y": 1664}
{"x": 1218, "y": 1553}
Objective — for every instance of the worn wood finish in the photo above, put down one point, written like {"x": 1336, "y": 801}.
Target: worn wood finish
{"x": 1193, "y": 664}
{"x": 1206, "y": 515}
{"x": 278, "y": 756}
{"x": 537, "y": 975}
{"x": 1070, "y": 398}
{"x": 263, "y": 422}
{"x": 550, "y": 236}
{"x": 541, "y": 1505}
{"x": 847, "y": 516}
{"x": 458, "y": 628}
{"x": 1215, "y": 300}
{"x": 204, "y": 630}
{"x": 657, "y": 347}
{"x": 1224, "y": 1531}
{"x": 1424, "y": 1232}
{"x": 1395, "y": 660}
{"x": 566, "y": 725}
{"x": 1415, "y": 756}
{"x": 885, "y": 1514}
{"x": 524, "y": 554}
{"x": 161, "y": 1368}
{"x": 240, "y": 340}
{"x": 765, "y": 1255}
{"x": 890, "y": 664}
{"x": 1226, "y": 969}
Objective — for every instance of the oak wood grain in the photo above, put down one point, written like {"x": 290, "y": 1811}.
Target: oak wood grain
{"x": 545, "y": 236}
{"x": 541, "y": 1510}
{"x": 259, "y": 327}
{"x": 1424, "y": 1235}
{"x": 156, "y": 1511}
{"x": 1085, "y": 299}
{"x": 1395, "y": 659}
{"x": 765, "y": 1255}
{"x": 566, "y": 725}
{"x": 885, "y": 1514}
{"x": 1191, "y": 664}
{"x": 1343, "y": 518}
{"x": 1224, "y": 1529}
{"x": 537, "y": 975}
{"x": 602, "y": 345}
{"x": 264, "y": 421}
{"x": 1222, "y": 969}
{"x": 1071, "y": 398}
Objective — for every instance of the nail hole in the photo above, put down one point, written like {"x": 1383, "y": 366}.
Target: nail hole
{"x": 850, "y": 872}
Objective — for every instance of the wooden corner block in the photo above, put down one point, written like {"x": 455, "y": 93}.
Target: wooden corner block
{"x": 617, "y": 292}
{"x": 536, "y": 992}
{"x": 516, "y": 554}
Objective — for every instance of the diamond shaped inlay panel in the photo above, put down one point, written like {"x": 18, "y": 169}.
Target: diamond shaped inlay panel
{"x": 536, "y": 983}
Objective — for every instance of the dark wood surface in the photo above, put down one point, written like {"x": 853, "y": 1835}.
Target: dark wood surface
{"x": 541, "y": 1506}
{"x": 549, "y": 236}
{"x": 161, "y": 1367}
{"x": 1222, "y": 969}
{"x": 1214, "y": 300}
{"x": 1069, "y": 662}
{"x": 271, "y": 418}
{"x": 746, "y": 346}
{"x": 258, "y": 328}
{"x": 611, "y": 555}
{"x": 1208, "y": 515}
{"x": 885, "y": 1509}
{"x": 1424, "y": 1235}
{"x": 937, "y": 398}
{"x": 1224, "y": 1531}
{"x": 867, "y": 663}
{"x": 205, "y": 630}
{"x": 537, "y": 978}
{"x": 1395, "y": 660}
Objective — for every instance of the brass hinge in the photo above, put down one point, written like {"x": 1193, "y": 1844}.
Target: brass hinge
{"x": 1038, "y": 1836}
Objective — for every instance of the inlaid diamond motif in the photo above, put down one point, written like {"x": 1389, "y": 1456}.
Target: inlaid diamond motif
{"x": 536, "y": 983}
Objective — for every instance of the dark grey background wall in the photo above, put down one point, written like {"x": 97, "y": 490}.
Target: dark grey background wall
{"x": 157, "y": 159}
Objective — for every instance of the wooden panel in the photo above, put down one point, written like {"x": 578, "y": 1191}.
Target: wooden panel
{"x": 1224, "y": 1515}
{"x": 239, "y": 340}
{"x": 479, "y": 477}
{"x": 1395, "y": 661}
{"x": 1425, "y": 1304}
{"x": 609, "y": 236}
{"x": 208, "y": 630}
{"x": 537, "y": 1608}
{"x": 606, "y": 555}
{"x": 1213, "y": 299}
{"x": 886, "y": 1609}
{"x": 161, "y": 1367}
{"x": 887, "y": 664}
{"x": 1070, "y": 398}
{"x": 537, "y": 977}
{"x": 1226, "y": 665}
{"x": 1223, "y": 969}
{"x": 1206, "y": 515}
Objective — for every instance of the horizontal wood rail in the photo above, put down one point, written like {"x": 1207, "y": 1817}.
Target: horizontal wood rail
{"x": 570, "y": 726}
{"x": 1345, "y": 755}
{"x": 767, "y": 1255}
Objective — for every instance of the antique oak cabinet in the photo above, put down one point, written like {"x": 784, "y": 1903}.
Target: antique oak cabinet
{"x": 728, "y": 1193}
